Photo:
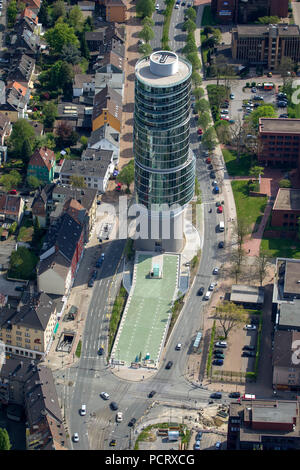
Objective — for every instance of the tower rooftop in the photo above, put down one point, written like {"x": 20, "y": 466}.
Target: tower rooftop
{"x": 162, "y": 68}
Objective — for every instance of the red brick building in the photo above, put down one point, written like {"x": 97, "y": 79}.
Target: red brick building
{"x": 286, "y": 209}
{"x": 279, "y": 142}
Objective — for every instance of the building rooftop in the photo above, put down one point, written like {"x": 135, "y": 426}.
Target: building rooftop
{"x": 283, "y": 351}
{"x": 260, "y": 30}
{"x": 278, "y": 126}
{"x": 174, "y": 69}
{"x": 287, "y": 200}
{"x": 247, "y": 294}
{"x": 292, "y": 278}
{"x": 290, "y": 314}
{"x": 91, "y": 168}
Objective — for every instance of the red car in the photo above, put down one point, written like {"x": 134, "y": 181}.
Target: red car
{"x": 13, "y": 191}
{"x": 220, "y": 209}
{"x": 200, "y": 131}
{"x": 118, "y": 187}
{"x": 208, "y": 160}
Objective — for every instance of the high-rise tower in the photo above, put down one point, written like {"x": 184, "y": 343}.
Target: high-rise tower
{"x": 164, "y": 163}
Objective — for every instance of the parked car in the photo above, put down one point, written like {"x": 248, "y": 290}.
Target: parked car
{"x": 218, "y": 362}
{"x": 20, "y": 288}
{"x": 200, "y": 131}
{"x": 157, "y": 7}
{"x": 199, "y": 435}
{"x": 208, "y": 160}
{"x": 253, "y": 89}
{"x": 99, "y": 262}
{"x": 132, "y": 421}
{"x": 197, "y": 445}
{"x": 201, "y": 291}
{"x": 221, "y": 344}
{"x": 114, "y": 406}
{"x": 216, "y": 271}
{"x": 104, "y": 395}
{"x": 119, "y": 417}
{"x": 101, "y": 351}
{"x": 152, "y": 393}
{"x": 113, "y": 442}
{"x": 218, "y": 351}
{"x": 212, "y": 286}
{"x": 169, "y": 365}
{"x": 13, "y": 191}
{"x": 232, "y": 96}
{"x": 212, "y": 174}
{"x": 220, "y": 209}
{"x": 219, "y": 356}
{"x": 249, "y": 327}
{"x": 75, "y": 437}
{"x": 178, "y": 346}
{"x": 218, "y": 445}
{"x": 248, "y": 354}
{"x": 234, "y": 395}
{"x": 249, "y": 348}
{"x": 221, "y": 245}
{"x": 216, "y": 395}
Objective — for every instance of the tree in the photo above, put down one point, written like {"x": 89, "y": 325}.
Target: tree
{"x": 58, "y": 10}
{"x": 126, "y": 175}
{"x": 71, "y": 54}
{"x": 262, "y": 111}
{"x": 66, "y": 136}
{"x": 286, "y": 67}
{"x": 60, "y": 35}
{"x": 256, "y": 171}
{"x": 21, "y": 131}
{"x": 61, "y": 75}
{"x": 284, "y": 183}
{"x": 77, "y": 181}
{"x": 229, "y": 316}
{"x": 145, "y": 49}
{"x": 189, "y": 25}
{"x": 198, "y": 93}
{"x": 148, "y": 21}
{"x": 204, "y": 120}
{"x": 4, "y": 440}
{"x": 208, "y": 30}
{"x": 11, "y": 180}
{"x": 268, "y": 20}
{"x": 44, "y": 16}
{"x": 75, "y": 18}
{"x": 223, "y": 132}
{"x": 196, "y": 78}
{"x": 145, "y": 8}
{"x": 241, "y": 229}
{"x": 238, "y": 137}
{"x": 26, "y": 151}
{"x": 262, "y": 262}
{"x": 33, "y": 182}
{"x": 146, "y": 34}
{"x": 202, "y": 106}
{"x": 12, "y": 11}
{"x": 49, "y": 114}
{"x": 85, "y": 52}
{"x": 191, "y": 13}
{"x": 209, "y": 138}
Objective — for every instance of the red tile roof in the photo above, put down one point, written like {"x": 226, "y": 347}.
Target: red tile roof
{"x": 42, "y": 157}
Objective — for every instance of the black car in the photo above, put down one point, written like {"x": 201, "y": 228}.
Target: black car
{"x": 221, "y": 245}
{"x": 101, "y": 351}
{"x": 201, "y": 291}
{"x": 20, "y": 288}
{"x": 249, "y": 348}
{"x": 169, "y": 365}
{"x": 248, "y": 354}
{"x": 216, "y": 395}
{"x": 234, "y": 395}
{"x": 113, "y": 442}
{"x": 132, "y": 422}
{"x": 210, "y": 167}
{"x": 212, "y": 174}
{"x": 219, "y": 351}
{"x": 152, "y": 393}
{"x": 114, "y": 405}
{"x": 91, "y": 282}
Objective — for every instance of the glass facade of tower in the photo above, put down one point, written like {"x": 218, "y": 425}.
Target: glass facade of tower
{"x": 164, "y": 164}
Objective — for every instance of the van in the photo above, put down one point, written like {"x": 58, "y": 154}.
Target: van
{"x": 221, "y": 226}
{"x": 207, "y": 295}
{"x": 247, "y": 396}
{"x": 83, "y": 410}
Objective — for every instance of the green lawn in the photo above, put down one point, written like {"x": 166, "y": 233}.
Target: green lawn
{"x": 281, "y": 248}
{"x": 207, "y": 18}
{"x": 236, "y": 167}
{"x": 249, "y": 208}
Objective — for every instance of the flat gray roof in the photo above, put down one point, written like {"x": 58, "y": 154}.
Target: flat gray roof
{"x": 144, "y": 74}
{"x": 287, "y": 199}
{"x": 278, "y": 412}
{"x": 248, "y": 294}
{"x": 292, "y": 277}
{"x": 282, "y": 29}
{"x": 277, "y": 125}
{"x": 290, "y": 313}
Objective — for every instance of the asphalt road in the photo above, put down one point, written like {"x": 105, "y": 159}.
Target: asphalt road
{"x": 84, "y": 382}
{"x": 158, "y": 19}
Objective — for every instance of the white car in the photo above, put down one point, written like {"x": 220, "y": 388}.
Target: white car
{"x": 178, "y": 347}
{"x": 249, "y": 327}
{"x": 75, "y": 437}
{"x": 157, "y": 7}
{"x": 104, "y": 395}
{"x": 119, "y": 417}
{"x": 221, "y": 344}
{"x": 216, "y": 271}
{"x": 212, "y": 286}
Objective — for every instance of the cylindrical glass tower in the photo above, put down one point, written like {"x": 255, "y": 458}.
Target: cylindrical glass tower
{"x": 164, "y": 163}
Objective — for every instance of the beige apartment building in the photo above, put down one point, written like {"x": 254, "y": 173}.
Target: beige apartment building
{"x": 265, "y": 44}
{"x": 27, "y": 330}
